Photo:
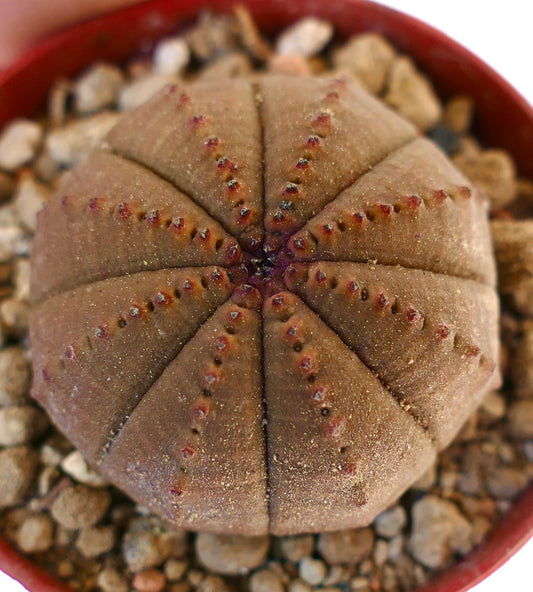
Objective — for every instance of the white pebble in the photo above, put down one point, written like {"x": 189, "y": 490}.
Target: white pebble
{"x": 35, "y": 534}
{"x": 312, "y": 571}
{"x": 97, "y": 88}
{"x": 19, "y": 142}
{"x": 139, "y": 91}
{"x": 390, "y": 522}
{"x": 69, "y": 144}
{"x": 306, "y": 37}
{"x": 30, "y": 198}
{"x": 74, "y": 465}
{"x": 171, "y": 56}
{"x": 232, "y": 555}
{"x": 19, "y": 425}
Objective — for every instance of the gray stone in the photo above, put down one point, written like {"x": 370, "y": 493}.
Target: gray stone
{"x": 35, "y": 533}
{"x": 306, "y": 37}
{"x": 229, "y": 554}
{"x": 312, "y": 571}
{"x": 19, "y": 142}
{"x": 69, "y": 144}
{"x": 15, "y": 376}
{"x": 97, "y": 88}
{"x": 18, "y": 466}
{"x": 389, "y": 523}
{"x": 506, "y": 482}
{"x": 346, "y": 546}
{"x": 80, "y": 506}
{"x": 171, "y": 56}
{"x": 20, "y": 425}
{"x": 95, "y": 541}
{"x": 439, "y": 530}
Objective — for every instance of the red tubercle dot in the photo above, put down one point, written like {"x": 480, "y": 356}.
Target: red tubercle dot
{"x": 306, "y": 365}
{"x": 204, "y": 235}
{"x": 162, "y": 299}
{"x": 291, "y": 188}
{"x": 465, "y": 192}
{"x": 381, "y": 301}
{"x": 221, "y": 343}
{"x": 278, "y": 216}
{"x": 278, "y": 301}
{"x": 216, "y": 275}
{"x": 473, "y": 351}
{"x": 327, "y": 228}
{"x": 187, "y": 451}
{"x": 200, "y": 411}
{"x": 178, "y": 224}
{"x": 124, "y": 210}
{"x": 413, "y": 315}
{"x": 225, "y": 164}
{"x": 171, "y": 88}
{"x": 211, "y": 377}
{"x": 233, "y": 185}
{"x": 323, "y": 118}
{"x": 96, "y": 203}
{"x": 353, "y": 287}
{"x": 320, "y": 276}
{"x": 414, "y": 201}
{"x": 46, "y": 375}
{"x": 183, "y": 99}
{"x": 70, "y": 353}
{"x": 319, "y": 394}
{"x": 350, "y": 468}
{"x": 333, "y": 95}
{"x": 440, "y": 195}
{"x": 135, "y": 312}
{"x": 244, "y": 213}
{"x": 188, "y": 286}
{"x": 65, "y": 200}
{"x": 197, "y": 121}
{"x": 101, "y": 332}
{"x": 177, "y": 491}
{"x": 299, "y": 243}
{"x": 335, "y": 427}
{"x": 385, "y": 209}
{"x": 303, "y": 163}
{"x": 212, "y": 142}
{"x": 313, "y": 141}
{"x": 233, "y": 252}
{"x": 443, "y": 331}
{"x": 359, "y": 217}
{"x": 153, "y": 218}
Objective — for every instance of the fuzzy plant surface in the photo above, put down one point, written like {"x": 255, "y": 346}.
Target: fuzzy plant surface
{"x": 263, "y": 305}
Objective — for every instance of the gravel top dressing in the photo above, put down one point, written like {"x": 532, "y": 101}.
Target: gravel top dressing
{"x": 338, "y": 248}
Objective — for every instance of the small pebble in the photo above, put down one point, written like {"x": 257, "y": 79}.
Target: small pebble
{"x": 396, "y": 547}
{"x": 230, "y": 65}
{"x": 97, "y": 88}
{"x": 522, "y": 367}
{"x": 19, "y": 142}
{"x": 458, "y": 114}
{"x": 13, "y": 240}
{"x": 21, "y": 279}
{"x": 290, "y": 65}
{"x": 359, "y": 584}
{"x": 494, "y": 405}
{"x": 69, "y": 144}
{"x": 520, "y": 419}
{"x": 18, "y": 467}
{"x": 30, "y": 198}
{"x": 174, "y": 569}
{"x": 312, "y": 571}
{"x": 139, "y": 91}
{"x": 150, "y": 580}
{"x": 35, "y": 533}
{"x": 266, "y": 580}
{"x": 46, "y": 480}
{"x": 232, "y": 555}
{"x": 506, "y": 482}
{"x": 346, "y": 546}
{"x": 79, "y": 506}
{"x": 171, "y": 56}
{"x": 212, "y": 583}
{"x": 381, "y": 552}
{"x": 15, "y": 376}
{"x": 389, "y": 523}
{"x": 74, "y": 465}
{"x": 111, "y": 580}
{"x": 426, "y": 481}
{"x": 298, "y": 586}
{"x": 294, "y": 548}
{"x": 95, "y": 541}
{"x": 439, "y": 530}
{"x": 493, "y": 171}
{"x": 179, "y": 587}
{"x": 411, "y": 94}
{"x": 212, "y": 35}
{"x": 146, "y": 544}
{"x": 306, "y": 37}
{"x": 14, "y": 316}
{"x": 7, "y": 186}
{"x": 20, "y": 425}
{"x": 368, "y": 57}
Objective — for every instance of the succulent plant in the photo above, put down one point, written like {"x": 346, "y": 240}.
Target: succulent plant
{"x": 263, "y": 305}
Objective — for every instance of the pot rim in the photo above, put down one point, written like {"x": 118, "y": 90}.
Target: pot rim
{"x": 453, "y": 69}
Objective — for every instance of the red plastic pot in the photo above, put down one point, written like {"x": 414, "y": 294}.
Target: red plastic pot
{"x": 503, "y": 119}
